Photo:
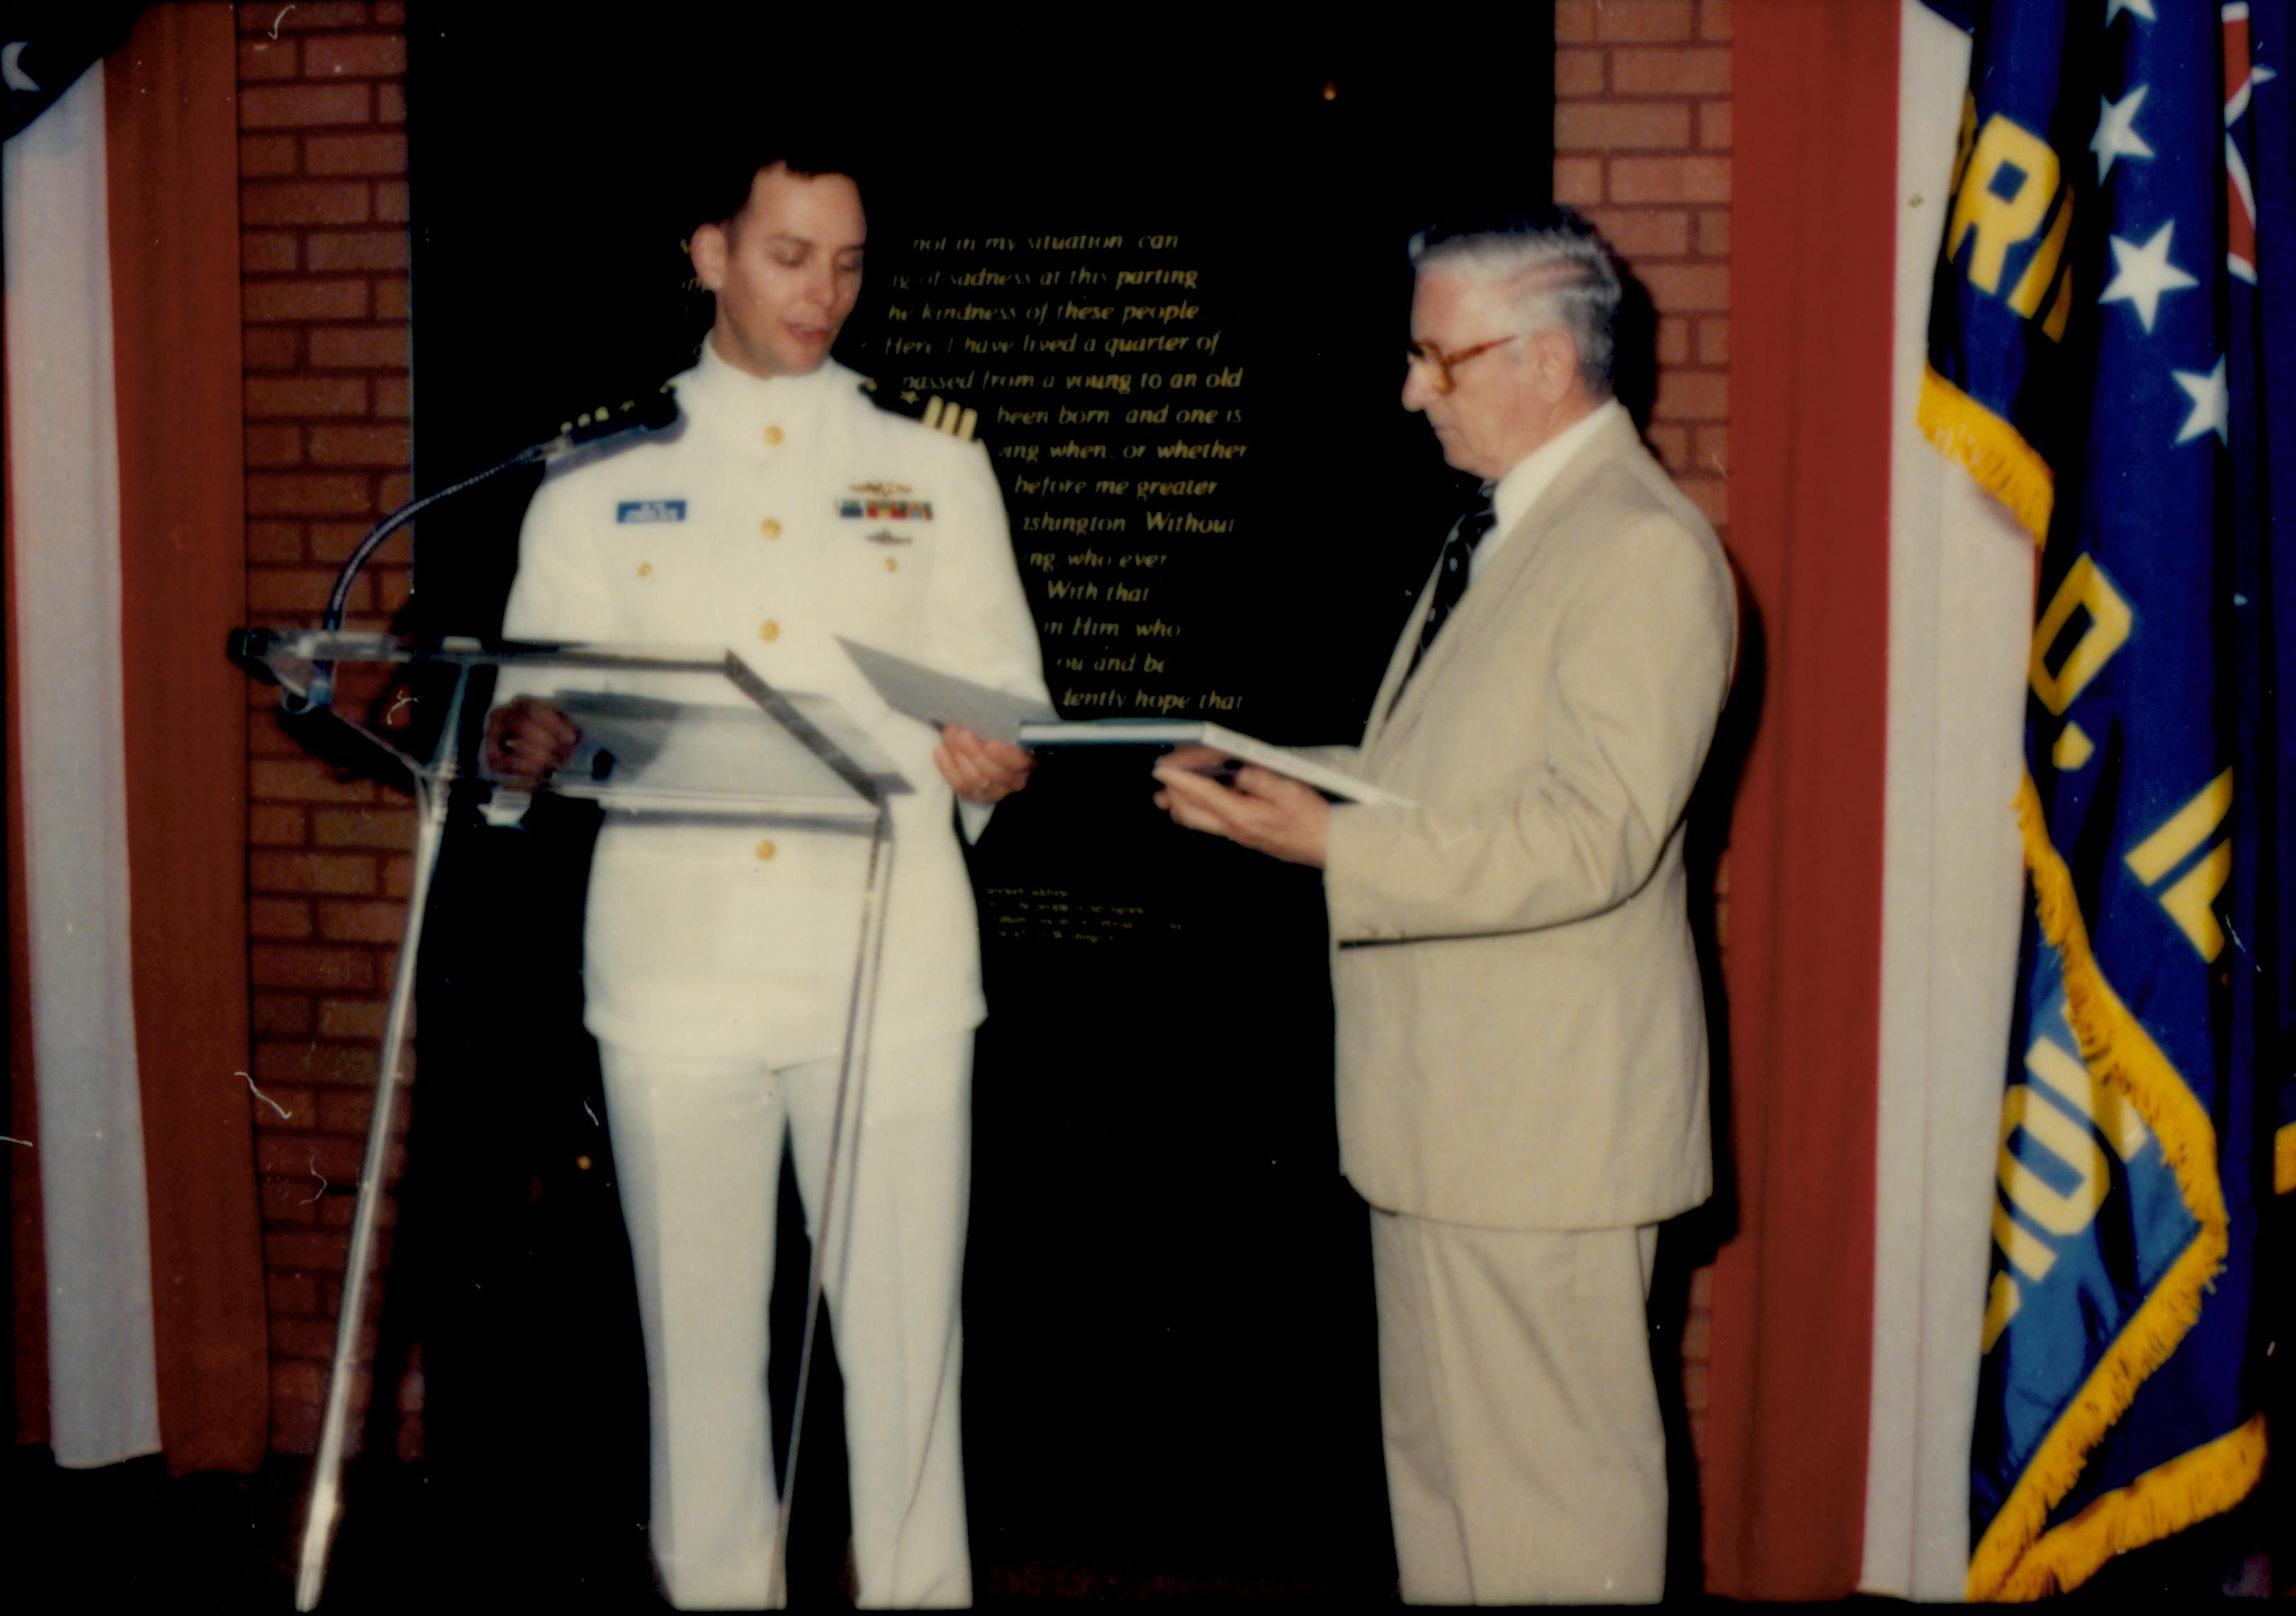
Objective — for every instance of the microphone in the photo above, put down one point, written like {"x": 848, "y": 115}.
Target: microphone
{"x": 648, "y": 414}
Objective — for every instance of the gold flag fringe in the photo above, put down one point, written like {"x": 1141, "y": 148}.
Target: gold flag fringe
{"x": 2014, "y": 1560}
{"x": 2193, "y": 1486}
{"x": 2003, "y": 462}
{"x": 2284, "y": 1160}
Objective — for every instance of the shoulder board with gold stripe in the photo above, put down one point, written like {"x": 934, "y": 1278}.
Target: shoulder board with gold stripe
{"x": 942, "y": 414}
{"x": 655, "y": 409}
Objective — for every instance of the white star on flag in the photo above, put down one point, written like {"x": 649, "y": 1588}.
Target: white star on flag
{"x": 2236, "y": 101}
{"x": 2142, "y": 273}
{"x": 2211, "y": 404}
{"x": 2143, "y": 8}
{"x": 2116, "y": 131}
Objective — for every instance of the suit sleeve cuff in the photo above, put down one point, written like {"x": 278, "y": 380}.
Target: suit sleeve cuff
{"x": 1354, "y": 850}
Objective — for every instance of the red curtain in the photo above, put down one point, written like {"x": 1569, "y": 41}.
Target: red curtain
{"x": 172, "y": 138}
{"x": 1815, "y": 89}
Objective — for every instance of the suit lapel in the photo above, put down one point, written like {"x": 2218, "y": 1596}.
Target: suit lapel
{"x": 1397, "y": 661}
{"x": 1491, "y": 586}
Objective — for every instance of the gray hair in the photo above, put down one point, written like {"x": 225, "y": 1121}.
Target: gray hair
{"x": 1555, "y": 270}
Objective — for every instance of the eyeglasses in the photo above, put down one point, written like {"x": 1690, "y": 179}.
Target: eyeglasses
{"x": 1440, "y": 365}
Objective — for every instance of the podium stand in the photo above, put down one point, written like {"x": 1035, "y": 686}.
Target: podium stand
{"x": 665, "y": 732}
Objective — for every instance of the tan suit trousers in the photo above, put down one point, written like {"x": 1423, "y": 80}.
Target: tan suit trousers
{"x": 1526, "y": 1463}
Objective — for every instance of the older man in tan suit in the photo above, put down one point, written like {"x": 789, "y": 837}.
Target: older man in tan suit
{"x": 1522, "y": 1066}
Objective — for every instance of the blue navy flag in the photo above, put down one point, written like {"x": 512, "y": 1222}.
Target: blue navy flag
{"x": 2098, "y": 355}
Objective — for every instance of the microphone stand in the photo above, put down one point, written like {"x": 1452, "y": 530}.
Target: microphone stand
{"x": 324, "y": 1510}
{"x": 656, "y": 411}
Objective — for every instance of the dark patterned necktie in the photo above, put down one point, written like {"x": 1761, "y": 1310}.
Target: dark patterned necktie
{"x": 1452, "y": 569}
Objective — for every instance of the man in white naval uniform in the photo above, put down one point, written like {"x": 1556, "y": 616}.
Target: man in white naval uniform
{"x": 783, "y": 511}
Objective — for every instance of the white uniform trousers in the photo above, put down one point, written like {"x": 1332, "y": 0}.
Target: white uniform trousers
{"x": 698, "y": 1145}
{"x": 1526, "y": 1461}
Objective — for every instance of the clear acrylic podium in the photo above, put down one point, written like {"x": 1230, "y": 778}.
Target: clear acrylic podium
{"x": 675, "y": 732}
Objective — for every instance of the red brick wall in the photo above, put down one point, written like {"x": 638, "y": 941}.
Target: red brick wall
{"x": 323, "y": 299}
{"x": 1642, "y": 145}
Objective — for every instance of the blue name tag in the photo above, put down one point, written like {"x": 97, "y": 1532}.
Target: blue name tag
{"x": 650, "y": 510}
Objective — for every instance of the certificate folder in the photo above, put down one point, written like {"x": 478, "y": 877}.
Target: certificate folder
{"x": 939, "y": 698}
{"x": 1186, "y": 732}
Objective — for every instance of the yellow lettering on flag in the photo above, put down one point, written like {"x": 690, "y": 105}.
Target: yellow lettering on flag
{"x": 2109, "y": 621}
{"x": 2069, "y": 1079}
{"x": 2000, "y": 222}
{"x": 2073, "y": 748}
{"x": 2059, "y": 1212}
{"x": 1964, "y": 141}
{"x": 2000, "y": 1307}
{"x": 2061, "y": 312}
{"x": 2027, "y": 1251}
{"x": 2026, "y": 296}
{"x": 2190, "y": 902}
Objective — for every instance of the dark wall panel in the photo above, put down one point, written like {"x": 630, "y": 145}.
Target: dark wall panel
{"x": 1169, "y": 1356}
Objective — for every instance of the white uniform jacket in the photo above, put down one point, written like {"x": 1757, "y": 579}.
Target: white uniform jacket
{"x": 771, "y": 518}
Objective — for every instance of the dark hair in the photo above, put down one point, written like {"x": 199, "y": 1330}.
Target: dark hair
{"x": 721, "y": 184}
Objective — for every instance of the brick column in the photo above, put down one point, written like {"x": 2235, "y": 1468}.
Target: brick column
{"x": 1642, "y": 145}
{"x": 324, "y": 240}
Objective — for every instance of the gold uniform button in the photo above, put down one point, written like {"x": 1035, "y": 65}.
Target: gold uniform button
{"x": 645, "y": 568}
{"x": 766, "y": 849}
{"x": 769, "y": 630}
{"x": 892, "y": 563}
{"x": 772, "y": 437}
{"x": 770, "y": 528}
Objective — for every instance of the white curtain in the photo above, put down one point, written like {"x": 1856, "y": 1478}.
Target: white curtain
{"x": 65, "y": 498}
{"x": 1960, "y": 615}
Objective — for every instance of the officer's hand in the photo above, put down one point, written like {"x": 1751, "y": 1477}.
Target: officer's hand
{"x": 527, "y": 738}
{"x": 1266, "y": 811}
{"x": 979, "y": 769}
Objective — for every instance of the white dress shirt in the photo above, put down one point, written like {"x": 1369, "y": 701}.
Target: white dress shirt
{"x": 1521, "y": 487}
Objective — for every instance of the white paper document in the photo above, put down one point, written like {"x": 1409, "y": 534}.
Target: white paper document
{"x": 940, "y": 698}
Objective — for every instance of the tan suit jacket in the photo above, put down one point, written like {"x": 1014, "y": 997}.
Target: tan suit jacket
{"x": 1522, "y": 1035}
